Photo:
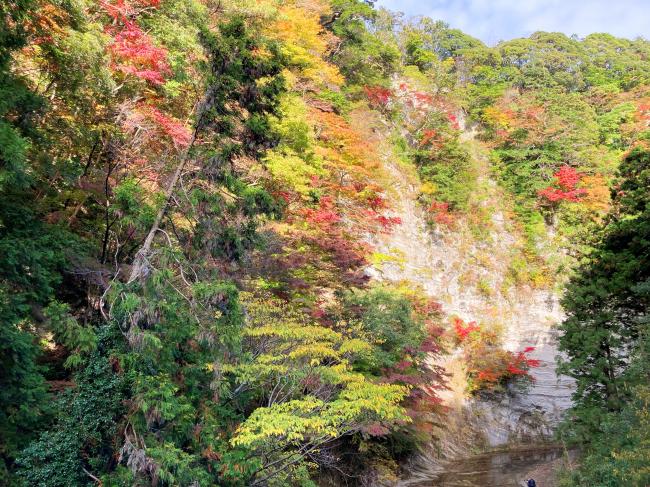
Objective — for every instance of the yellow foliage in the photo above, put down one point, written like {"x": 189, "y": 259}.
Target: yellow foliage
{"x": 428, "y": 188}
{"x": 396, "y": 256}
{"x": 305, "y": 43}
{"x": 290, "y": 170}
{"x": 495, "y": 117}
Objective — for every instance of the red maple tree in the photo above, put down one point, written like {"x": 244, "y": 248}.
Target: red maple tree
{"x": 463, "y": 330}
{"x": 566, "y": 180}
{"x": 135, "y": 54}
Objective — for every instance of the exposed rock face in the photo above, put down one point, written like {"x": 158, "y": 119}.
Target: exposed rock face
{"x": 448, "y": 265}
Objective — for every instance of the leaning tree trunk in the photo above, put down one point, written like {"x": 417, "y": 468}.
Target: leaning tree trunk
{"x": 139, "y": 268}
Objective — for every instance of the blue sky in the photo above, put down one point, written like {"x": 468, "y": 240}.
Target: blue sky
{"x": 494, "y": 20}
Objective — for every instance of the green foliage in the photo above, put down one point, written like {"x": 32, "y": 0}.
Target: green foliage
{"x": 130, "y": 204}
{"x": 236, "y": 75}
{"x": 607, "y": 305}
{"x": 86, "y": 423}
{"x": 68, "y": 332}
{"x": 23, "y": 401}
{"x": 239, "y": 76}
{"x": 364, "y": 58}
{"x": 34, "y": 255}
{"x": 452, "y": 174}
{"x": 619, "y": 454}
{"x": 387, "y": 316}
{"x": 16, "y": 101}
{"x": 429, "y": 40}
{"x": 230, "y": 215}
{"x": 610, "y": 123}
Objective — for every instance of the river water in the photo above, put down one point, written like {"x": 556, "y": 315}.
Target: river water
{"x": 495, "y": 469}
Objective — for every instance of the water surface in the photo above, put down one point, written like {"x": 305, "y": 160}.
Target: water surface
{"x": 495, "y": 469}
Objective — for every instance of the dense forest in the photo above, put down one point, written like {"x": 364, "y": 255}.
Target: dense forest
{"x": 189, "y": 190}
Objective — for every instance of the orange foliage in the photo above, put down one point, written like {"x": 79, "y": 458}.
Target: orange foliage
{"x": 440, "y": 213}
{"x": 597, "y": 197}
{"x": 343, "y": 147}
{"x": 49, "y": 19}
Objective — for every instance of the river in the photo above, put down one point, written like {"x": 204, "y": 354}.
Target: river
{"x": 510, "y": 468}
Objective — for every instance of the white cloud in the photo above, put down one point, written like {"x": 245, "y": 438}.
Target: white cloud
{"x": 493, "y": 20}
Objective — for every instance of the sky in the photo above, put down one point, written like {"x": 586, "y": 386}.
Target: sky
{"x": 495, "y": 20}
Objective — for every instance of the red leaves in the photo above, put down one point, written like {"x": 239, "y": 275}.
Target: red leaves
{"x": 138, "y": 56}
{"x": 346, "y": 254}
{"x": 422, "y": 98}
{"x": 429, "y": 136}
{"x": 463, "y": 331}
{"x": 555, "y": 195}
{"x": 318, "y": 312}
{"x": 284, "y": 195}
{"x": 376, "y": 202}
{"x": 520, "y": 363}
{"x": 417, "y": 100}
{"x": 403, "y": 365}
{"x": 376, "y": 429}
{"x": 429, "y": 307}
{"x": 439, "y": 206}
{"x": 325, "y": 216}
{"x": 173, "y": 128}
{"x": 378, "y": 96}
{"x": 388, "y": 222}
{"x": 440, "y": 213}
{"x": 512, "y": 369}
{"x": 502, "y": 367}
{"x": 132, "y": 48}
{"x": 430, "y": 345}
{"x": 567, "y": 178}
{"x": 453, "y": 121}
{"x": 122, "y": 10}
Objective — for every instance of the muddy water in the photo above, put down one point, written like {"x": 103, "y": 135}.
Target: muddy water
{"x": 496, "y": 469}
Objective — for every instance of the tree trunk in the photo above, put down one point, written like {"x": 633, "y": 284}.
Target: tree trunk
{"x": 139, "y": 267}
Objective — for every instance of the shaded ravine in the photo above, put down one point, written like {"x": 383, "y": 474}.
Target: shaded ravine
{"x": 447, "y": 265}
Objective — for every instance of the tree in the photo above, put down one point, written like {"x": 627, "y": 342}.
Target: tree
{"x": 607, "y": 302}
{"x": 363, "y": 58}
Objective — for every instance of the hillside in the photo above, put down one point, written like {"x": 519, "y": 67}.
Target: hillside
{"x": 312, "y": 242}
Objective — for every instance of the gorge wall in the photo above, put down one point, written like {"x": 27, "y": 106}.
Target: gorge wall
{"x": 439, "y": 262}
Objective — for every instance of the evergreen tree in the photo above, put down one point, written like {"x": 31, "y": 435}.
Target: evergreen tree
{"x": 607, "y": 302}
